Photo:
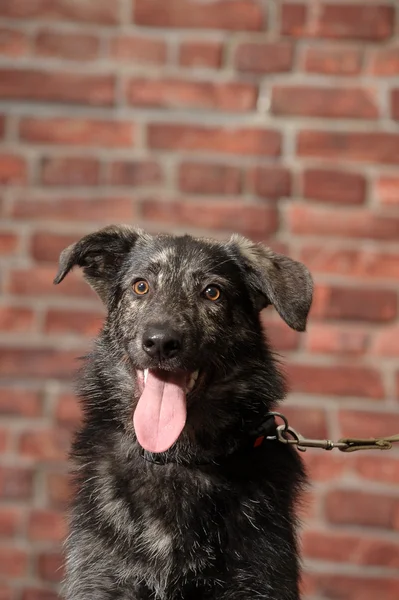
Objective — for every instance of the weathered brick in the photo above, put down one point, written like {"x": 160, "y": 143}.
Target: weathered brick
{"x": 97, "y": 209}
{"x": 332, "y": 60}
{"x": 352, "y": 587}
{"x": 385, "y": 62}
{"x": 38, "y": 594}
{"x": 70, "y": 171}
{"x": 216, "y": 14}
{"x": 209, "y": 178}
{"x": 264, "y": 57}
{"x": 9, "y": 242}
{"x": 387, "y": 191}
{"x": 13, "y": 169}
{"x": 384, "y": 469}
{"x": 13, "y": 562}
{"x": 50, "y": 566}
{"x": 362, "y": 424}
{"x": 68, "y": 410}
{"x": 46, "y": 525}
{"x": 311, "y": 422}
{"x": 38, "y": 362}
{"x": 356, "y": 21}
{"x": 261, "y": 142}
{"x": 61, "y": 44}
{"x": 70, "y": 321}
{"x": 354, "y": 303}
{"x": 38, "y": 282}
{"x": 79, "y": 132}
{"x": 178, "y": 93}
{"x": 272, "y": 182}
{"x": 293, "y": 19}
{"x": 333, "y": 102}
{"x": 201, "y": 54}
{"x": 16, "y": 483}
{"x": 375, "y": 146}
{"x": 10, "y": 523}
{"x": 386, "y": 342}
{"x": 280, "y": 336}
{"x": 19, "y": 402}
{"x": 136, "y": 173}
{"x": 102, "y": 12}
{"x": 13, "y": 42}
{"x": 50, "y": 444}
{"x": 355, "y": 507}
{"x": 59, "y": 486}
{"x": 335, "y": 339}
{"x": 395, "y": 104}
{"x": 139, "y": 49}
{"x": 56, "y": 86}
{"x": 14, "y": 318}
{"x": 331, "y": 185}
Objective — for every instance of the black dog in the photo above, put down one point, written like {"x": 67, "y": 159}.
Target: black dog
{"x": 177, "y": 498}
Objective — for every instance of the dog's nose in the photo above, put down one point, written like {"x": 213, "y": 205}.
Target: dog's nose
{"x": 161, "y": 342}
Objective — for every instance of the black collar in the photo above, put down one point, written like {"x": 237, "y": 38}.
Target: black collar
{"x": 266, "y": 432}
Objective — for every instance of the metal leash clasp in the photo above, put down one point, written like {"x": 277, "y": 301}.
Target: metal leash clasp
{"x": 288, "y": 435}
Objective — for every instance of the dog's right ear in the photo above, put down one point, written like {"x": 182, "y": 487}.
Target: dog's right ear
{"x": 100, "y": 254}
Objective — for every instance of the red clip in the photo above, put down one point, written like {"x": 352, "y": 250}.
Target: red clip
{"x": 259, "y": 441}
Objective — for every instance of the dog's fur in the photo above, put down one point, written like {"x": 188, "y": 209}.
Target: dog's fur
{"x": 215, "y": 521}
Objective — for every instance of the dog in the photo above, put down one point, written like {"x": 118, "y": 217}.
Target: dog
{"x": 177, "y": 497}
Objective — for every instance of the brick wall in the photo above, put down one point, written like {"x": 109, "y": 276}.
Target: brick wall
{"x": 275, "y": 119}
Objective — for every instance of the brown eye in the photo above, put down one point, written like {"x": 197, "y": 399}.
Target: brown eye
{"x": 212, "y": 293}
{"x": 141, "y": 287}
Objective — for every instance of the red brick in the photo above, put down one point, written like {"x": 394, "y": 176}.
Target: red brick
{"x": 9, "y": 242}
{"x": 13, "y": 562}
{"x": 350, "y": 549}
{"x": 10, "y": 523}
{"x": 293, "y": 19}
{"x": 209, "y": 178}
{"x": 46, "y": 525}
{"x": 13, "y": 42}
{"x": 385, "y": 62}
{"x": 387, "y": 191}
{"x": 323, "y": 467}
{"x": 351, "y": 587}
{"x": 333, "y": 102}
{"x": 331, "y": 60}
{"x": 70, "y": 171}
{"x": 45, "y": 444}
{"x": 38, "y": 594}
{"x": 74, "y": 209}
{"x": 334, "y": 186}
{"x": 50, "y": 566}
{"x": 47, "y": 246}
{"x": 102, "y": 12}
{"x": 383, "y": 469}
{"x": 38, "y": 362}
{"x": 216, "y": 14}
{"x": 354, "y": 507}
{"x": 376, "y": 146}
{"x": 16, "y": 483}
{"x": 270, "y": 182}
{"x": 336, "y": 380}
{"x": 5, "y": 437}
{"x": 12, "y": 169}
{"x": 280, "y": 336}
{"x": 79, "y": 132}
{"x": 71, "y": 88}
{"x": 2, "y": 125}
{"x": 19, "y": 402}
{"x": 334, "y": 339}
{"x": 139, "y": 49}
{"x": 395, "y": 104}
{"x": 356, "y": 21}
{"x": 14, "y": 319}
{"x": 5, "y": 592}
{"x": 68, "y": 411}
{"x": 386, "y": 342}
{"x": 264, "y": 57}
{"x": 59, "y": 489}
{"x": 310, "y": 422}
{"x": 135, "y": 173}
{"x": 201, "y": 54}
{"x": 177, "y": 93}
{"x": 61, "y": 44}
{"x": 38, "y": 282}
{"x": 363, "y": 263}
{"x": 307, "y": 220}
{"x": 250, "y": 219}
{"x": 361, "y": 424}
{"x": 258, "y": 142}
{"x": 73, "y": 322}
{"x": 354, "y": 303}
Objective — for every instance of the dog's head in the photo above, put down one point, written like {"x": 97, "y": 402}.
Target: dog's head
{"x": 183, "y": 310}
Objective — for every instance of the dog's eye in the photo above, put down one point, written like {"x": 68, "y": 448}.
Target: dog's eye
{"x": 141, "y": 287}
{"x": 212, "y": 293}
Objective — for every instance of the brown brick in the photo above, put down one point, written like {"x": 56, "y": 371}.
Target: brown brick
{"x": 352, "y": 587}
{"x": 19, "y": 402}
{"x": 384, "y": 469}
{"x": 361, "y": 424}
{"x": 38, "y": 362}
{"x": 356, "y": 21}
{"x": 395, "y": 104}
{"x": 334, "y": 102}
{"x": 270, "y": 182}
{"x": 70, "y": 171}
{"x": 338, "y": 187}
{"x": 9, "y": 242}
{"x": 336, "y": 339}
{"x": 10, "y": 523}
{"x": 387, "y": 191}
{"x": 79, "y": 132}
{"x": 46, "y": 525}
{"x": 16, "y": 483}
{"x": 136, "y": 173}
{"x": 38, "y": 594}
{"x": 357, "y": 303}
{"x": 262, "y": 142}
{"x": 13, "y": 42}
{"x": 51, "y": 444}
{"x": 333, "y": 60}
{"x": 50, "y": 566}
{"x": 102, "y": 12}
{"x": 14, "y": 319}
{"x": 56, "y": 86}
{"x": 264, "y": 57}
{"x": 386, "y": 342}
{"x": 75, "y": 209}
{"x": 61, "y": 44}
{"x": 38, "y": 282}
{"x": 385, "y": 62}
{"x": 293, "y": 19}
{"x": 72, "y": 321}
{"x": 201, "y": 54}
{"x": 354, "y": 507}
{"x": 68, "y": 411}
{"x": 13, "y": 169}
{"x": 177, "y": 93}
{"x": 239, "y": 15}
{"x": 59, "y": 489}
{"x": 139, "y": 49}
{"x": 203, "y": 178}
{"x": 13, "y": 562}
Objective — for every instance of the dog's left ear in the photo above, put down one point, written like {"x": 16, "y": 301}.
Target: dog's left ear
{"x": 277, "y": 280}
{"x": 100, "y": 254}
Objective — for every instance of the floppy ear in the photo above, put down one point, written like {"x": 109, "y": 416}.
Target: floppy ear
{"x": 277, "y": 280}
{"x": 100, "y": 254}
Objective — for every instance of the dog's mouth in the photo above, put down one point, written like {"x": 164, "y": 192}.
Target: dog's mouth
{"x": 161, "y": 412}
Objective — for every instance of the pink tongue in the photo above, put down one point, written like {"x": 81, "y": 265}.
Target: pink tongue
{"x": 161, "y": 413}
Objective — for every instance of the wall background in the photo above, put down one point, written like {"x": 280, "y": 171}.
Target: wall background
{"x": 276, "y": 119}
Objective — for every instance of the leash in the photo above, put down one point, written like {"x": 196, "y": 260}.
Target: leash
{"x": 288, "y": 435}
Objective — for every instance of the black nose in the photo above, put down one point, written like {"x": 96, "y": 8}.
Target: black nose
{"x": 162, "y": 342}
